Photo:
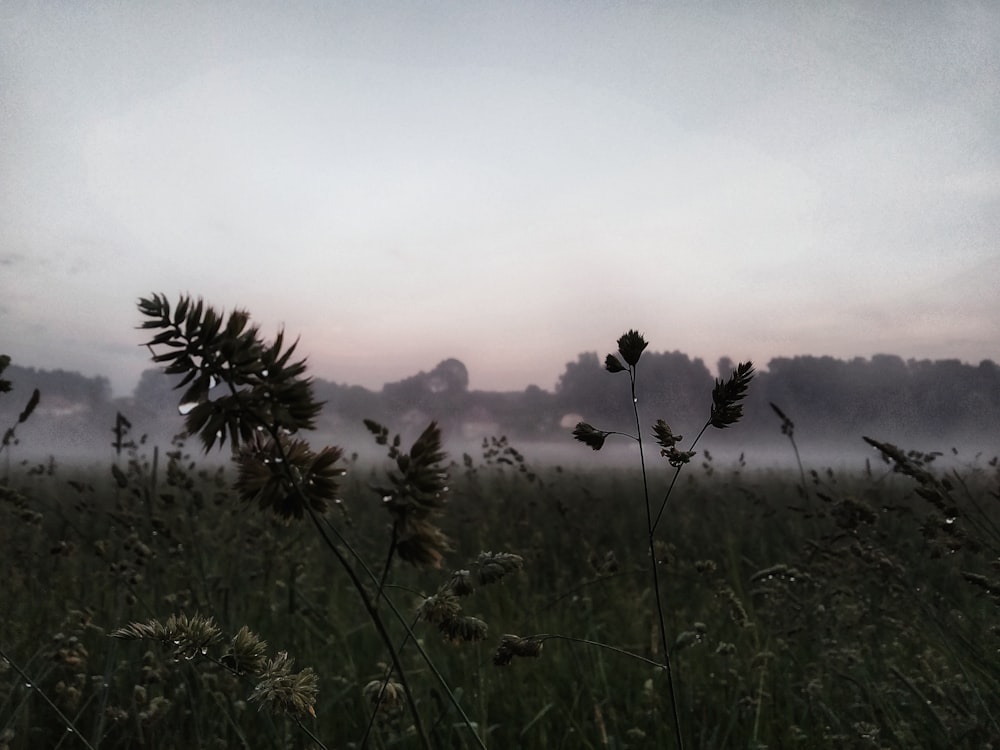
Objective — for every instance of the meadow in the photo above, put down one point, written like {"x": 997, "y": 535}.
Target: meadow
{"x": 849, "y": 612}
{"x": 298, "y": 596}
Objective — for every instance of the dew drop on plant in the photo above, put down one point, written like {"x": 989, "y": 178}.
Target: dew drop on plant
{"x": 387, "y": 498}
{"x": 950, "y": 520}
{"x": 264, "y": 373}
{"x": 185, "y": 409}
{"x": 28, "y": 685}
{"x": 204, "y": 650}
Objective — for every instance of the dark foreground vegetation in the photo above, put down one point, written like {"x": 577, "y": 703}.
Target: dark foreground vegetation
{"x": 850, "y": 613}
{"x": 296, "y": 597}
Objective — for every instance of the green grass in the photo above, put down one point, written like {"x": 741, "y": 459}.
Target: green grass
{"x": 847, "y": 619}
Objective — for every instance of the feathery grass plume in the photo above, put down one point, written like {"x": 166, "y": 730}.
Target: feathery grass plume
{"x": 912, "y": 464}
{"x": 417, "y": 491}
{"x": 590, "y": 435}
{"x": 386, "y": 695}
{"x": 493, "y": 566}
{"x": 278, "y": 687}
{"x": 187, "y": 636}
{"x": 5, "y": 385}
{"x": 9, "y": 436}
{"x": 788, "y": 429}
{"x": 444, "y": 608}
{"x": 265, "y": 465}
{"x": 247, "y": 653}
{"x": 727, "y": 397}
{"x": 512, "y": 646}
{"x": 262, "y": 386}
{"x": 737, "y": 611}
{"x": 284, "y": 691}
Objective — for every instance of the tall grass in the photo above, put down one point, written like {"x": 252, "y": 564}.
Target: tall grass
{"x": 864, "y": 620}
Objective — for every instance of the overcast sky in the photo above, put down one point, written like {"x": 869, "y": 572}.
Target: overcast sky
{"x": 508, "y": 183}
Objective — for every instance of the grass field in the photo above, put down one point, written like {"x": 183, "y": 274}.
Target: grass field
{"x": 856, "y": 611}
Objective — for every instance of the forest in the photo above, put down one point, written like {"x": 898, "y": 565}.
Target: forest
{"x": 833, "y": 402}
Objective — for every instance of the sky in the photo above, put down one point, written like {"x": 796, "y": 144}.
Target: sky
{"x": 507, "y": 183}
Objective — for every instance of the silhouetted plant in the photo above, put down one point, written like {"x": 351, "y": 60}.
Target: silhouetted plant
{"x": 788, "y": 430}
{"x": 9, "y": 436}
{"x": 241, "y": 389}
{"x": 726, "y": 410}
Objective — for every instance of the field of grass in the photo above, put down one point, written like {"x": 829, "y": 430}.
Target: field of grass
{"x": 853, "y": 611}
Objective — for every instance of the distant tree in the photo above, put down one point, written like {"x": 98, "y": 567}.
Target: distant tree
{"x": 449, "y": 377}
{"x": 724, "y": 367}
{"x": 584, "y": 389}
{"x": 679, "y": 389}
{"x": 154, "y": 394}
{"x": 441, "y": 393}
{"x": 532, "y": 414}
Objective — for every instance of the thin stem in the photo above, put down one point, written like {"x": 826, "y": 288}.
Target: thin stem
{"x": 312, "y": 736}
{"x": 677, "y": 473}
{"x": 28, "y": 681}
{"x": 598, "y": 644}
{"x": 654, "y": 565}
{"x": 381, "y": 691}
{"x": 388, "y": 559}
{"x": 356, "y": 581}
{"x": 412, "y": 637}
{"x": 376, "y": 619}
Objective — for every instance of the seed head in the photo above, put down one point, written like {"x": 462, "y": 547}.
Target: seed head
{"x": 631, "y": 346}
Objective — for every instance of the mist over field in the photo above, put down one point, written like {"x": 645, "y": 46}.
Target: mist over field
{"x": 943, "y": 406}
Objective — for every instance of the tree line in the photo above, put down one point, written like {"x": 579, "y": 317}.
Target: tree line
{"x": 828, "y": 399}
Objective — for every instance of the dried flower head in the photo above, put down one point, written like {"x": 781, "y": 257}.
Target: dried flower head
{"x": 613, "y": 364}
{"x": 631, "y": 346}
{"x": 284, "y": 691}
{"x": 247, "y": 653}
{"x": 514, "y": 645}
{"x": 492, "y": 566}
{"x": 439, "y": 608}
{"x": 460, "y": 583}
{"x": 387, "y": 695}
{"x": 465, "y": 629}
{"x": 590, "y": 435}
{"x": 286, "y": 475}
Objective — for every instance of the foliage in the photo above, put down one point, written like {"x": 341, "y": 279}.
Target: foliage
{"x": 869, "y": 616}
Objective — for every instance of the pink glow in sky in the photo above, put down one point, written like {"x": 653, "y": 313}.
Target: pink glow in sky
{"x": 505, "y": 183}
